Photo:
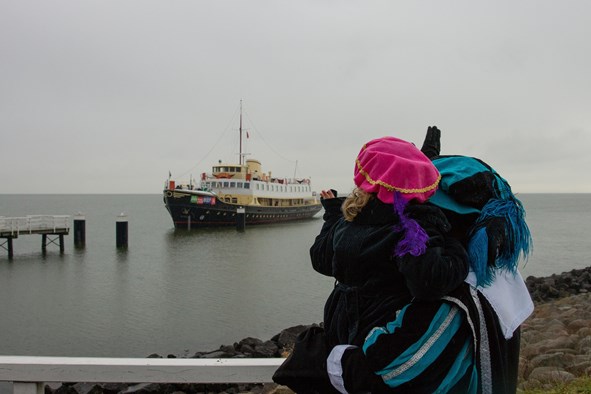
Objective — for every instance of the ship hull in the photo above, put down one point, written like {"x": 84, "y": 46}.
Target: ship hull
{"x": 190, "y": 210}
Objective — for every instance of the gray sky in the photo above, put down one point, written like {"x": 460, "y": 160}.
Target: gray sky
{"x": 108, "y": 96}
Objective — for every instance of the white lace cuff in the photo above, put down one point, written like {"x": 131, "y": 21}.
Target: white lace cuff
{"x": 334, "y": 367}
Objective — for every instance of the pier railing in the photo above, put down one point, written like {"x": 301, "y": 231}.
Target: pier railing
{"x": 46, "y": 225}
{"x": 34, "y": 224}
{"x": 29, "y": 374}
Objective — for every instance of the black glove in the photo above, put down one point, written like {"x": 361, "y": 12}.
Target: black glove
{"x": 432, "y": 144}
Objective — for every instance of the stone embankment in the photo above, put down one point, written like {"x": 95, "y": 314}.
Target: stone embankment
{"x": 555, "y": 344}
{"x": 556, "y": 339}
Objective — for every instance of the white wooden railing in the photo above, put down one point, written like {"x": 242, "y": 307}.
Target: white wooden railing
{"x": 33, "y": 223}
{"x": 29, "y": 374}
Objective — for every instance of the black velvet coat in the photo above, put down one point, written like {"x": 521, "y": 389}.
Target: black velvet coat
{"x": 372, "y": 284}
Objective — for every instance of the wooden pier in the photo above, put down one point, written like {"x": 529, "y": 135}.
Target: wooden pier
{"x": 51, "y": 227}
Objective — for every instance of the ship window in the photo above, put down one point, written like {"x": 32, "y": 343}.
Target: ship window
{"x": 232, "y": 184}
{"x": 247, "y": 185}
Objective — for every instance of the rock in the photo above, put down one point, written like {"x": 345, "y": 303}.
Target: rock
{"x": 583, "y": 344}
{"x": 556, "y": 286}
{"x": 584, "y": 332}
{"x": 249, "y": 341}
{"x": 66, "y": 389}
{"x": 248, "y": 346}
{"x": 580, "y": 369}
{"x": 266, "y": 349}
{"x": 551, "y": 375}
{"x": 558, "y": 359}
{"x": 575, "y": 325}
{"x": 556, "y": 342}
{"x": 281, "y": 390}
{"x": 113, "y": 388}
{"x": 149, "y": 388}
{"x": 287, "y": 337}
{"x": 216, "y": 354}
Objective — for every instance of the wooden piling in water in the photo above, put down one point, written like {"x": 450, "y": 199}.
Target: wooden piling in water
{"x": 79, "y": 230}
{"x": 240, "y": 219}
{"x": 121, "y": 231}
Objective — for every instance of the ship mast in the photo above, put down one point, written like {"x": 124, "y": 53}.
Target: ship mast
{"x": 240, "y": 158}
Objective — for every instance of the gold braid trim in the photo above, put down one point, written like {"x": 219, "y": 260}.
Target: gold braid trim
{"x": 391, "y": 187}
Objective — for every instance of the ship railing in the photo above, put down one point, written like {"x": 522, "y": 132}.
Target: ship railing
{"x": 29, "y": 374}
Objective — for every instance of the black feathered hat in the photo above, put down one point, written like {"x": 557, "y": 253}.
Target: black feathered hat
{"x": 494, "y": 219}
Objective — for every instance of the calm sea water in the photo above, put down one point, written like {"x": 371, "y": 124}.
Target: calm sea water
{"x": 180, "y": 292}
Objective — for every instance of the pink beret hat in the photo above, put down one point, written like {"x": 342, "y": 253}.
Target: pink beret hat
{"x": 388, "y": 165}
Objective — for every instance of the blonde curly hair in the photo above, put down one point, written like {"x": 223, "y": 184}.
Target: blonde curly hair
{"x": 354, "y": 203}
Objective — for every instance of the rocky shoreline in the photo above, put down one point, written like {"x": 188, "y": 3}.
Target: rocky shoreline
{"x": 556, "y": 338}
{"x": 555, "y": 344}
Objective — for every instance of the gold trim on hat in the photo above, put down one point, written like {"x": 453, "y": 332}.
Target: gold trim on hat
{"x": 391, "y": 187}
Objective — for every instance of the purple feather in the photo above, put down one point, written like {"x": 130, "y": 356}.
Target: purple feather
{"x": 414, "y": 237}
